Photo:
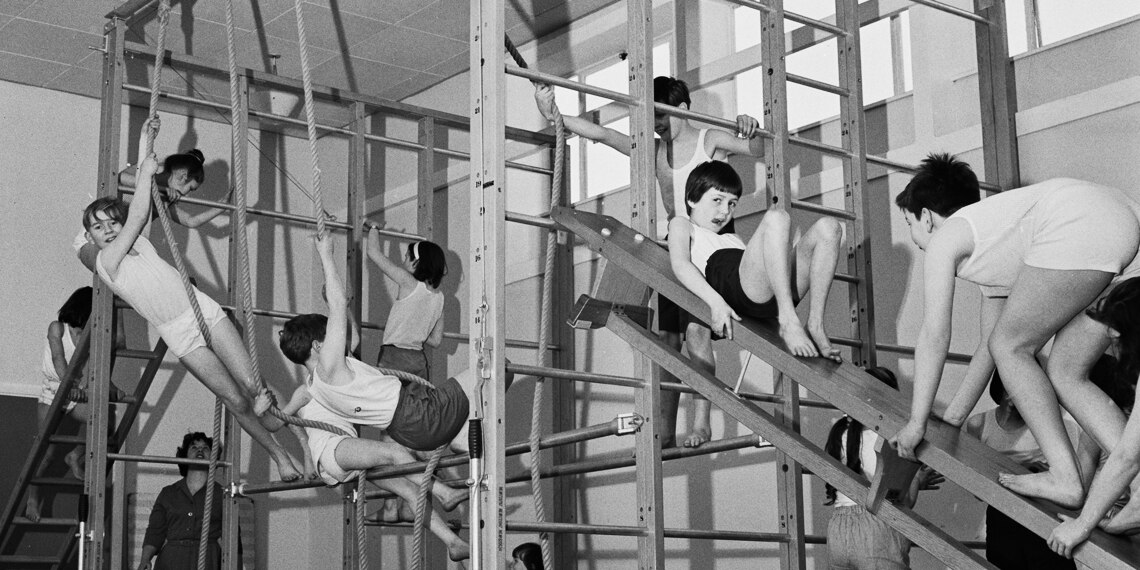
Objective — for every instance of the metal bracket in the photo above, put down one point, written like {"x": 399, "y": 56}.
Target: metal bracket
{"x": 629, "y": 423}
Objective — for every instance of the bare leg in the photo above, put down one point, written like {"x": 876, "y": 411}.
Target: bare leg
{"x": 817, "y": 256}
{"x": 1041, "y": 302}
{"x": 699, "y": 341}
{"x": 75, "y": 459}
{"x": 670, "y": 400}
{"x": 355, "y": 453}
{"x": 32, "y": 504}
{"x": 206, "y": 366}
{"x": 765, "y": 272}
{"x": 230, "y": 349}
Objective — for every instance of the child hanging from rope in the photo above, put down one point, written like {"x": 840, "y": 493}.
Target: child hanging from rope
{"x": 180, "y": 175}
{"x": 129, "y": 264}
{"x": 758, "y": 280}
{"x": 416, "y": 316}
{"x": 679, "y": 148}
{"x": 61, "y": 337}
{"x": 345, "y": 392}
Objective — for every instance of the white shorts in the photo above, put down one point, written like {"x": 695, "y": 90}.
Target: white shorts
{"x": 181, "y": 333}
{"x": 48, "y": 391}
{"x": 1083, "y": 227}
{"x": 322, "y": 443}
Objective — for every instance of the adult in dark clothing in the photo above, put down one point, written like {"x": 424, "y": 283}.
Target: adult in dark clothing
{"x": 175, "y": 522}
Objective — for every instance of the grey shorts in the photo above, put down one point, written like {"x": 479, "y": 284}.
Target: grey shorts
{"x": 858, "y": 540}
{"x": 425, "y": 418}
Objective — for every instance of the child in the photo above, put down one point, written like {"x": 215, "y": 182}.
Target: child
{"x": 1009, "y": 545}
{"x": 678, "y": 139}
{"x": 855, "y": 537}
{"x": 759, "y": 280}
{"x": 1041, "y": 255}
{"x": 180, "y": 174}
{"x": 129, "y": 264}
{"x": 1119, "y": 311}
{"x": 415, "y": 318}
{"x": 345, "y": 392}
{"x": 61, "y": 337}
{"x": 526, "y": 556}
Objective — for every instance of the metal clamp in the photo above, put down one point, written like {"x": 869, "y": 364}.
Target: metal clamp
{"x": 629, "y": 423}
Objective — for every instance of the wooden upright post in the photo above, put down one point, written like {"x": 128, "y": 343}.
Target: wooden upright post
{"x": 486, "y": 267}
{"x": 643, "y": 218}
{"x": 425, "y": 192}
{"x": 997, "y": 92}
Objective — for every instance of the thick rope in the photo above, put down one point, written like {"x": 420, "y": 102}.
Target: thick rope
{"x": 310, "y": 116}
{"x": 423, "y": 507}
{"x": 544, "y": 327}
{"x": 211, "y": 474}
{"x": 358, "y": 510}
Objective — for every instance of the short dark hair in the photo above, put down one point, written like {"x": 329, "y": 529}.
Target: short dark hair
{"x": 854, "y": 432}
{"x": 114, "y": 207}
{"x": 1120, "y": 310}
{"x": 712, "y": 174}
{"x": 296, "y": 339}
{"x": 431, "y": 263}
{"x": 193, "y": 161}
{"x": 184, "y": 451}
{"x": 670, "y": 91}
{"x": 530, "y": 554}
{"x": 76, "y": 309}
{"x": 943, "y": 184}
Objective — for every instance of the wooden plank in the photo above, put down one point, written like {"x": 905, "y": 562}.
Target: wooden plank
{"x": 957, "y": 455}
{"x": 924, "y": 534}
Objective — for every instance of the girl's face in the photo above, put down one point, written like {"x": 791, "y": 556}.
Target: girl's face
{"x": 515, "y": 564}
{"x": 409, "y": 263}
{"x": 103, "y": 229}
{"x": 714, "y": 210}
{"x": 180, "y": 183}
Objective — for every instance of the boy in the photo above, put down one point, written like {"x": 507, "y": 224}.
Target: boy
{"x": 680, "y": 148}
{"x": 344, "y": 391}
{"x": 129, "y": 264}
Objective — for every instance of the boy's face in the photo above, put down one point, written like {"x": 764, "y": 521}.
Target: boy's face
{"x": 667, "y": 126}
{"x": 919, "y": 230}
{"x": 714, "y": 210}
{"x": 103, "y": 229}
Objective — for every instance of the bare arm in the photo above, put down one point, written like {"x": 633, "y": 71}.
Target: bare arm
{"x": 746, "y": 141}
{"x": 975, "y": 424}
{"x": 331, "y": 357}
{"x": 981, "y": 366}
{"x": 55, "y": 333}
{"x": 680, "y": 258}
{"x": 933, "y": 344}
{"x": 138, "y": 214}
{"x": 394, "y": 271}
{"x": 179, "y": 214}
{"x": 436, "y": 336}
{"x": 544, "y": 97}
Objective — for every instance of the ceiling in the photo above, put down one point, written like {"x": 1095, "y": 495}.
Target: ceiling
{"x": 385, "y": 48}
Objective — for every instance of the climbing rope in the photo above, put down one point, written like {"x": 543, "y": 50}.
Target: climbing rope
{"x": 423, "y": 507}
{"x": 544, "y": 326}
{"x": 359, "y": 507}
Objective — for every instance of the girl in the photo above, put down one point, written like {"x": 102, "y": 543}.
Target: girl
{"x": 857, "y": 539}
{"x": 759, "y": 280}
{"x": 1119, "y": 312}
{"x": 526, "y": 556}
{"x": 1009, "y": 545}
{"x": 1041, "y": 254}
{"x": 61, "y": 336}
{"x": 415, "y": 318}
{"x": 180, "y": 174}
{"x": 129, "y": 264}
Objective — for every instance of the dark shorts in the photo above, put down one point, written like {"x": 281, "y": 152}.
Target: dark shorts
{"x": 1011, "y": 546}
{"x": 670, "y": 317}
{"x": 403, "y": 359}
{"x": 723, "y": 273}
{"x": 425, "y": 418}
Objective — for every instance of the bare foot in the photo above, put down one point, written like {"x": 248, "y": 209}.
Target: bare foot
{"x": 72, "y": 459}
{"x": 407, "y": 513}
{"x": 823, "y": 343}
{"x": 1124, "y": 521}
{"x": 459, "y": 551}
{"x": 698, "y": 437}
{"x": 453, "y": 499}
{"x": 797, "y": 339}
{"x": 286, "y": 469}
{"x": 32, "y": 509}
{"x": 1044, "y": 486}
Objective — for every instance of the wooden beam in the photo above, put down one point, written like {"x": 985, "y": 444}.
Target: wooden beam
{"x": 997, "y": 93}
